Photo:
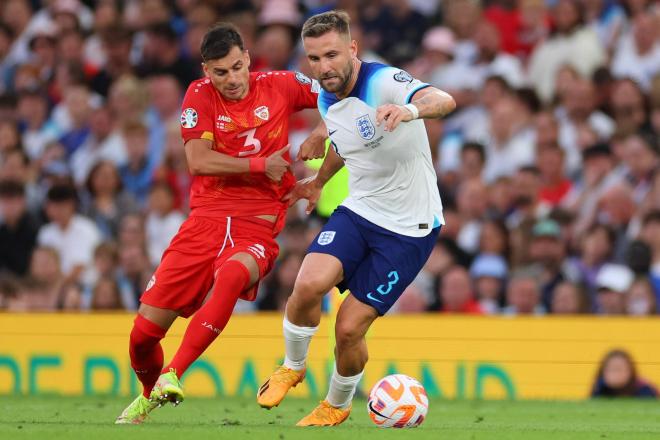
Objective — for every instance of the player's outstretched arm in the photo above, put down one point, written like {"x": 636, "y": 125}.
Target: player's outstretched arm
{"x": 427, "y": 103}
{"x": 204, "y": 161}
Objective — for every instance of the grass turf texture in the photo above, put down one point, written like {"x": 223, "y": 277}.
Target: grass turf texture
{"x": 50, "y": 418}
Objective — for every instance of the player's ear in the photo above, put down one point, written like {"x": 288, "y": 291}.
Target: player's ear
{"x": 205, "y": 69}
{"x": 246, "y": 54}
{"x": 354, "y": 48}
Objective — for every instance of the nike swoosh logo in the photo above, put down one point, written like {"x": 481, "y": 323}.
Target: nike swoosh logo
{"x": 373, "y": 410}
{"x": 330, "y": 133}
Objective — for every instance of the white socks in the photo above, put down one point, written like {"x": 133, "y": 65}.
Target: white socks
{"x": 342, "y": 389}
{"x": 296, "y": 344}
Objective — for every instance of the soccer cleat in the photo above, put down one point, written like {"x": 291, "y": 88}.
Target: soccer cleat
{"x": 272, "y": 392}
{"x": 325, "y": 415}
{"x": 137, "y": 412}
{"x": 167, "y": 389}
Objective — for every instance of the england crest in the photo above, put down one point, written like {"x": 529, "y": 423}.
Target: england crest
{"x": 261, "y": 112}
{"x": 326, "y": 237}
{"x": 189, "y": 118}
{"x": 403, "y": 77}
{"x": 365, "y": 127}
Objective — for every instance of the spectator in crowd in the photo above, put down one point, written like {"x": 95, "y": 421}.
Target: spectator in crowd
{"x": 555, "y": 185}
{"x": 42, "y": 288}
{"x": 134, "y": 271}
{"x": 137, "y": 173}
{"x": 104, "y": 142}
{"x": 104, "y": 200}
{"x": 456, "y": 294}
{"x": 570, "y": 43}
{"x": 617, "y": 377}
{"x": 650, "y": 234}
{"x": 523, "y": 294}
{"x": 116, "y": 43}
{"x": 640, "y": 299}
{"x": 638, "y": 53}
{"x": 36, "y": 130}
{"x": 18, "y": 229}
{"x": 280, "y": 285}
{"x": 163, "y": 221}
{"x": 596, "y": 249}
{"x": 488, "y": 273}
{"x": 106, "y": 296}
{"x": 72, "y": 235}
{"x": 569, "y": 299}
{"x": 612, "y": 282}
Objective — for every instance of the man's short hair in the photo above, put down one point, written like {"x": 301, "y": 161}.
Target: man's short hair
{"x": 219, "y": 40}
{"x": 62, "y": 193}
{"x": 320, "y": 24}
{"x": 477, "y": 148}
{"x": 11, "y": 189}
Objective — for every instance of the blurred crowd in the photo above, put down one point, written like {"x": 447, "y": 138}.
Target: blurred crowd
{"x": 548, "y": 169}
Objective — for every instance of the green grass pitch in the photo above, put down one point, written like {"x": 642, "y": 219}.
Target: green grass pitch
{"x": 53, "y": 417}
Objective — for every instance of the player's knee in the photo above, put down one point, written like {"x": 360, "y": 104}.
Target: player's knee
{"x": 347, "y": 334}
{"x": 311, "y": 287}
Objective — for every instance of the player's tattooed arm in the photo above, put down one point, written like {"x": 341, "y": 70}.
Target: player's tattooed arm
{"x": 427, "y": 103}
{"x": 433, "y": 103}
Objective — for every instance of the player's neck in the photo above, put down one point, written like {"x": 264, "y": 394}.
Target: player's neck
{"x": 357, "y": 64}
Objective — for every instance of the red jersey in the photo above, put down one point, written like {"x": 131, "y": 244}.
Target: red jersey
{"x": 255, "y": 126}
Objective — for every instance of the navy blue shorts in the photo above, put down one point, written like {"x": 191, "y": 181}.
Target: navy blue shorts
{"x": 378, "y": 264}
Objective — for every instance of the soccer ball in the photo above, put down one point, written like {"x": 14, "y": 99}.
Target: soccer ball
{"x": 397, "y": 401}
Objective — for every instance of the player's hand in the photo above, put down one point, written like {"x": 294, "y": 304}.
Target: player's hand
{"x": 277, "y": 165}
{"x": 312, "y": 148}
{"x": 392, "y": 115}
{"x": 305, "y": 189}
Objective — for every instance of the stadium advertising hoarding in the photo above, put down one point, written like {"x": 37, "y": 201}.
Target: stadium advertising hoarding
{"x": 454, "y": 357}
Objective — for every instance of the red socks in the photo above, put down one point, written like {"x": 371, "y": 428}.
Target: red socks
{"x": 146, "y": 352}
{"x": 209, "y": 321}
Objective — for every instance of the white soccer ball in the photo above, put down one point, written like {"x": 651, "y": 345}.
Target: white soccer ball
{"x": 398, "y": 401}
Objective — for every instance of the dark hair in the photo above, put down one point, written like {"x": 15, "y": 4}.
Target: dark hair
{"x": 62, "y": 193}
{"x": 476, "y": 147}
{"x": 609, "y": 232}
{"x": 89, "y": 182}
{"x": 116, "y": 34}
{"x": 651, "y": 217}
{"x": 219, "y": 40}
{"x": 163, "y": 30}
{"x": 320, "y": 24}
{"x": 11, "y": 188}
{"x": 629, "y": 388}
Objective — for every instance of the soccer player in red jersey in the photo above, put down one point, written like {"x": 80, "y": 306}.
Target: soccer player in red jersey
{"x": 235, "y": 128}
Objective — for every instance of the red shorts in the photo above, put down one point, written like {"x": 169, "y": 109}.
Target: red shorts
{"x": 187, "y": 270}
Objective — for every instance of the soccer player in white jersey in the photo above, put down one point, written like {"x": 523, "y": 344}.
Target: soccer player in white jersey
{"x": 377, "y": 241}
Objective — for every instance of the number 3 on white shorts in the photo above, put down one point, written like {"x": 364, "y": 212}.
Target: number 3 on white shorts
{"x": 250, "y": 141}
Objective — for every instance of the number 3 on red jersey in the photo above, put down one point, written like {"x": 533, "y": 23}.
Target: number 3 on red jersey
{"x": 250, "y": 141}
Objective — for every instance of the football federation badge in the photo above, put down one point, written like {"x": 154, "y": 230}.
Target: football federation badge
{"x": 262, "y": 112}
{"x": 365, "y": 127}
{"x": 326, "y": 237}
{"x": 189, "y": 118}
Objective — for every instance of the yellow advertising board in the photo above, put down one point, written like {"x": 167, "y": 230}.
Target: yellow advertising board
{"x": 453, "y": 356}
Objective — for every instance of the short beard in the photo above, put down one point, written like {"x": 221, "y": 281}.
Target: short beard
{"x": 341, "y": 88}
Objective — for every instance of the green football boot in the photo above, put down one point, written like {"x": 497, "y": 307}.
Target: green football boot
{"x": 167, "y": 389}
{"x": 137, "y": 412}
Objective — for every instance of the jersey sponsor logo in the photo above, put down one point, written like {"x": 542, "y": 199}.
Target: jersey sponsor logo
{"x": 403, "y": 77}
{"x": 302, "y": 78}
{"x": 262, "y": 112}
{"x": 326, "y": 237}
{"x": 189, "y": 118}
{"x": 258, "y": 250}
{"x": 151, "y": 283}
{"x": 365, "y": 127}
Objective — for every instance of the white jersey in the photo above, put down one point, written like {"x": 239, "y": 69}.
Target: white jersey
{"x": 392, "y": 181}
